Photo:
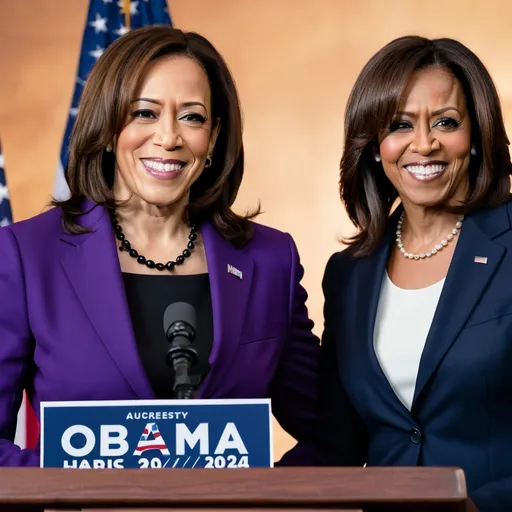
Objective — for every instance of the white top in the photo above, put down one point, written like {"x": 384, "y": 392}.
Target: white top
{"x": 401, "y": 328}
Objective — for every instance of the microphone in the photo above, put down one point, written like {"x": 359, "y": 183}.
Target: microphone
{"x": 180, "y": 331}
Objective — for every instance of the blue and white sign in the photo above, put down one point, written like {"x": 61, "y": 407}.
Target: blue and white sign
{"x": 157, "y": 434}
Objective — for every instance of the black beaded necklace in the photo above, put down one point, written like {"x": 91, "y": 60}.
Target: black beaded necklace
{"x": 170, "y": 265}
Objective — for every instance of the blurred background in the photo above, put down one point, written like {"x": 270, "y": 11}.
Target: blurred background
{"x": 294, "y": 62}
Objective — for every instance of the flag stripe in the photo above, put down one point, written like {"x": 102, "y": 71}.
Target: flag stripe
{"x": 5, "y": 204}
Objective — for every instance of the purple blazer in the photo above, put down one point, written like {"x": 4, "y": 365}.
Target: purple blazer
{"x": 66, "y": 333}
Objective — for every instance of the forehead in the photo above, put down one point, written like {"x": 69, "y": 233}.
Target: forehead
{"x": 175, "y": 75}
{"x": 435, "y": 88}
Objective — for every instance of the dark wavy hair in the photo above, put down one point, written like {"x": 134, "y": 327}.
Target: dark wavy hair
{"x": 367, "y": 193}
{"x": 102, "y": 113}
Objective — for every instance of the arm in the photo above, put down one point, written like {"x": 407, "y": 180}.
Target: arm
{"x": 15, "y": 350}
{"x": 308, "y": 398}
{"x": 293, "y": 393}
{"x": 494, "y": 496}
{"x": 342, "y": 435}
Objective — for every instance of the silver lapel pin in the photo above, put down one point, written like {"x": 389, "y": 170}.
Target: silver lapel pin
{"x": 234, "y": 271}
{"x": 480, "y": 259}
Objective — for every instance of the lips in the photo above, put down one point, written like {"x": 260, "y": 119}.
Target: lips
{"x": 163, "y": 168}
{"x": 426, "y": 171}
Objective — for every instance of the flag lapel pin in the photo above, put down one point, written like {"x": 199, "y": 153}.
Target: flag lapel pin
{"x": 234, "y": 271}
{"x": 480, "y": 259}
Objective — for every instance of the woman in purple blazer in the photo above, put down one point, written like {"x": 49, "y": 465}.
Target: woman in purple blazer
{"x": 156, "y": 160}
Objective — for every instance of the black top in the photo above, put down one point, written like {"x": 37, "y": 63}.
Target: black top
{"x": 148, "y": 297}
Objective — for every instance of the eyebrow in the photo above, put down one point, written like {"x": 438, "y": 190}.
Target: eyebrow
{"x": 435, "y": 113}
{"x": 186, "y": 104}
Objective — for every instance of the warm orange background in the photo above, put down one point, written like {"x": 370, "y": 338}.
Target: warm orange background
{"x": 294, "y": 61}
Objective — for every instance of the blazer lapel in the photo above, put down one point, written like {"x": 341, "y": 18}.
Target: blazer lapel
{"x": 369, "y": 276}
{"x": 92, "y": 266}
{"x": 230, "y": 271}
{"x": 465, "y": 283}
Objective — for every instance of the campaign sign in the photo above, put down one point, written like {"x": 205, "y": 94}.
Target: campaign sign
{"x": 157, "y": 434}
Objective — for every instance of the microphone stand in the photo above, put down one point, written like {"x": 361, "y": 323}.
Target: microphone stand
{"x": 182, "y": 357}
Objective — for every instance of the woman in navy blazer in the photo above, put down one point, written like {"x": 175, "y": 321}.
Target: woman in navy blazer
{"x": 417, "y": 347}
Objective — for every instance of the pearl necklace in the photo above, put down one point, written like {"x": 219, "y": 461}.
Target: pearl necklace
{"x": 435, "y": 250}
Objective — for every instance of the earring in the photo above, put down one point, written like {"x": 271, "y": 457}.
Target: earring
{"x": 108, "y": 149}
{"x": 377, "y": 158}
{"x": 208, "y": 162}
{"x": 473, "y": 152}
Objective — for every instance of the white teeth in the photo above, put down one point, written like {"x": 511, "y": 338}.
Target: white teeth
{"x": 426, "y": 170}
{"x": 160, "y": 166}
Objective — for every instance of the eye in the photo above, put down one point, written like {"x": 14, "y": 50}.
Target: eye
{"x": 194, "y": 118}
{"x": 448, "y": 122}
{"x": 399, "y": 125}
{"x": 144, "y": 114}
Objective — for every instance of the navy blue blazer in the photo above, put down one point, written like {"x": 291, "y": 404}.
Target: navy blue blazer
{"x": 462, "y": 409}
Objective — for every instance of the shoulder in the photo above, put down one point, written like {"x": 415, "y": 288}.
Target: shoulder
{"x": 273, "y": 251}
{"x": 269, "y": 240}
{"x": 339, "y": 273}
{"x": 340, "y": 261}
{"x": 266, "y": 235}
{"x": 494, "y": 222}
{"x": 36, "y": 229}
{"x": 28, "y": 240}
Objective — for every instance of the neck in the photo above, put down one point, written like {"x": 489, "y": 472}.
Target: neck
{"x": 149, "y": 224}
{"x": 425, "y": 227}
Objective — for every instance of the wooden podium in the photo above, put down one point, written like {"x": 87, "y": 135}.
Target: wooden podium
{"x": 410, "y": 489}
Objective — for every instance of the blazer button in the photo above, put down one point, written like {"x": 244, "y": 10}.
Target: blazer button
{"x": 415, "y": 435}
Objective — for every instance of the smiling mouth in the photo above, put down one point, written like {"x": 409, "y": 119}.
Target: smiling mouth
{"x": 163, "y": 169}
{"x": 164, "y": 166}
{"x": 426, "y": 171}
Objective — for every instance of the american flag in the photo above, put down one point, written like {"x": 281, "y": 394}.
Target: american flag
{"x": 106, "y": 21}
{"x": 5, "y": 206}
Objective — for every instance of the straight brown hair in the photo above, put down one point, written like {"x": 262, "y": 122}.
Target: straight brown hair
{"x": 367, "y": 193}
{"x": 104, "y": 108}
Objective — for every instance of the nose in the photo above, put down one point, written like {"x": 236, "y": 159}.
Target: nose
{"x": 423, "y": 141}
{"x": 167, "y": 134}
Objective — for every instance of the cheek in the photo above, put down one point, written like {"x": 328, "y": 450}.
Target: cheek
{"x": 130, "y": 139}
{"x": 459, "y": 146}
{"x": 198, "y": 143}
{"x": 392, "y": 148}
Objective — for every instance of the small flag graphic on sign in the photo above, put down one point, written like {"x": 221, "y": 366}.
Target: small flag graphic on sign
{"x": 151, "y": 439}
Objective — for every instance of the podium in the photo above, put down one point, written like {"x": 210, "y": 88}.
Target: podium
{"x": 411, "y": 489}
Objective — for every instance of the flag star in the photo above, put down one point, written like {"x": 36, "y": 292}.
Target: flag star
{"x": 121, "y": 31}
{"x": 99, "y": 24}
{"x": 97, "y": 53}
{"x": 73, "y": 111}
{"x": 4, "y": 193}
{"x": 4, "y": 222}
{"x": 2, "y": 163}
{"x": 133, "y": 7}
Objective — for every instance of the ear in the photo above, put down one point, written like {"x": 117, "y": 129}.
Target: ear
{"x": 214, "y": 135}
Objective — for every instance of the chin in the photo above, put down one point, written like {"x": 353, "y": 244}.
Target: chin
{"x": 426, "y": 200}
{"x": 161, "y": 200}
